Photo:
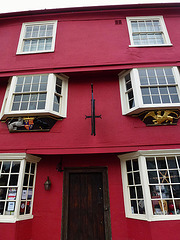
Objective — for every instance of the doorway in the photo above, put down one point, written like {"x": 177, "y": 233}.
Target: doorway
{"x": 86, "y": 211}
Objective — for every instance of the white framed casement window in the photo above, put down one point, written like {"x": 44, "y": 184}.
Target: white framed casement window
{"x": 149, "y": 88}
{"x": 148, "y": 31}
{"x": 37, "y": 37}
{"x": 151, "y": 184}
{"x": 17, "y": 183}
{"x": 36, "y": 95}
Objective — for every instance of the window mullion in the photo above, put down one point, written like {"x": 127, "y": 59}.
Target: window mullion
{"x": 136, "y": 88}
{"x": 145, "y": 185}
{"x": 20, "y": 186}
{"x": 50, "y": 92}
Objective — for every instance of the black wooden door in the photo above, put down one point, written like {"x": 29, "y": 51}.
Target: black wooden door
{"x": 85, "y": 205}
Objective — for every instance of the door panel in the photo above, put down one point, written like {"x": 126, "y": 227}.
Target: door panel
{"x": 85, "y": 205}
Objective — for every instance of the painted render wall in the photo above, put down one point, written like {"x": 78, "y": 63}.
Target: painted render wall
{"x": 47, "y": 209}
{"x": 88, "y": 39}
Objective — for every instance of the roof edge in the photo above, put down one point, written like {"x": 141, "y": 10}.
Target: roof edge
{"x": 89, "y": 8}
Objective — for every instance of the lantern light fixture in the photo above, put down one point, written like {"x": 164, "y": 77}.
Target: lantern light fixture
{"x": 47, "y": 184}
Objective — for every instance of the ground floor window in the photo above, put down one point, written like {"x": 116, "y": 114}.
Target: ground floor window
{"x": 151, "y": 184}
{"x": 17, "y": 182}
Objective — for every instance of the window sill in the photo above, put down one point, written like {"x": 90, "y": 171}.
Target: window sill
{"x": 155, "y": 218}
{"x": 31, "y": 114}
{"x": 34, "y": 52}
{"x": 12, "y": 219}
{"x": 158, "y": 45}
{"x": 138, "y": 110}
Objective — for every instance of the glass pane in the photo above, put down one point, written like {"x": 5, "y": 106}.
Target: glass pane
{"x": 146, "y": 100}
{"x": 17, "y": 98}
{"x": 161, "y": 163}
{"x": 28, "y": 207}
{"x": 43, "y": 87}
{"x": 15, "y": 167}
{"x": 28, "y": 79}
{"x": 41, "y": 105}
{"x": 2, "y": 207}
{"x": 13, "y": 180}
{"x": 25, "y": 180}
{"x": 174, "y": 176}
{"x": 27, "y": 167}
{"x": 6, "y": 167}
{"x": 10, "y": 207}
{"x": 137, "y": 178}
{"x": 130, "y": 179}
{"x": 34, "y": 87}
{"x": 30, "y": 191}
{"x": 132, "y": 192}
{"x": 171, "y": 162}
{"x": 12, "y": 193}
{"x": 32, "y": 105}
{"x": 25, "y": 97}
{"x": 31, "y": 180}
{"x": 156, "y": 99}
{"x": 42, "y": 96}
{"x": 165, "y": 98}
{"x": 150, "y": 163}
{"x": 163, "y": 176}
{"x": 156, "y": 207}
{"x": 26, "y": 88}
{"x": 153, "y": 178}
{"x": 3, "y": 192}
{"x": 3, "y": 180}
{"x": 134, "y": 206}
{"x": 32, "y": 167}
{"x": 155, "y": 191}
{"x": 22, "y": 208}
{"x": 15, "y": 107}
{"x": 24, "y": 106}
{"x": 18, "y": 88}
{"x": 135, "y": 165}
{"x": 176, "y": 190}
{"x": 177, "y": 205}
{"x": 174, "y": 98}
{"x": 128, "y": 166}
{"x": 165, "y": 191}
{"x": 141, "y": 207}
{"x": 139, "y": 192}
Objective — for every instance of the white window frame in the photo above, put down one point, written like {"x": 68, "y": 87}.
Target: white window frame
{"x": 22, "y": 37}
{"x": 141, "y": 155}
{"x": 48, "y": 111}
{"x": 165, "y": 35}
{"x": 23, "y": 158}
{"x": 139, "y": 105}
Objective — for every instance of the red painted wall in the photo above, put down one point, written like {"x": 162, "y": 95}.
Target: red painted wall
{"x": 88, "y": 39}
{"x": 87, "y": 44}
{"x": 47, "y": 209}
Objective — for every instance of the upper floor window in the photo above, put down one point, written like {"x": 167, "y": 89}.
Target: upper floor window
{"x": 146, "y": 88}
{"x": 37, "y": 37}
{"x": 17, "y": 183}
{"x": 42, "y": 94}
{"x": 151, "y": 184}
{"x": 148, "y": 31}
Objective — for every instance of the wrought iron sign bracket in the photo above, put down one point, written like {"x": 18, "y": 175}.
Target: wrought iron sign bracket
{"x": 93, "y": 115}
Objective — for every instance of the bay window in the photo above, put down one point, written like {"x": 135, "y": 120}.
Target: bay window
{"x": 17, "y": 183}
{"x": 149, "y": 88}
{"x": 151, "y": 184}
{"x": 41, "y": 94}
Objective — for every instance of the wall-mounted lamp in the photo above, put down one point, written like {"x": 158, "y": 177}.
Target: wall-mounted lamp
{"x": 47, "y": 184}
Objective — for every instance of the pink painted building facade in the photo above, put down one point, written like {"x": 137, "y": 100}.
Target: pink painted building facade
{"x": 119, "y": 179}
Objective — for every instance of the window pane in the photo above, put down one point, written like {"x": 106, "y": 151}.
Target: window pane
{"x": 153, "y": 178}
{"x": 6, "y": 167}
{"x": 132, "y": 192}
{"x": 128, "y": 166}
{"x": 161, "y": 163}
{"x": 137, "y": 178}
{"x": 139, "y": 192}
{"x": 134, "y": 206}
{"x": 135, "y": 164}
{"x": 150, "y": 163}
{"x": 13, "y": 180}
{"x": 130, "y": 179}
{"x": 141, "y": 207}
{"x": 171, "y": 162}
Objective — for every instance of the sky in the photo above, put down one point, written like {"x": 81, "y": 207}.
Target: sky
{"x": 24, "y": 5}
